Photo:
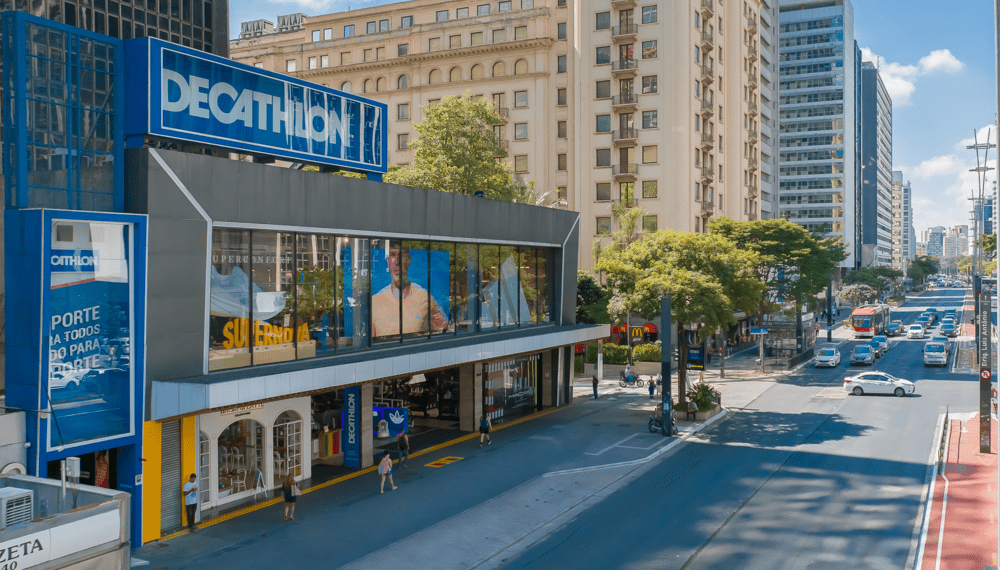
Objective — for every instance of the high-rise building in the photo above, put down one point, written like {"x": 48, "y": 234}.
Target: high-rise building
{"x": 935, "y": 241}
{"x": 820, "y": 119}
{"x": 580, "y": 87}
{"x": 903, "y": 239}
{"x": 920, "y": 249}
{"x": 876, "y": 169}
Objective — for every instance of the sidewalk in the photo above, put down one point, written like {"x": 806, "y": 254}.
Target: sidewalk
{"x": 968, "y": 540}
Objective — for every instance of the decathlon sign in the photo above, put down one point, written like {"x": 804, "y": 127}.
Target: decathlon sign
{"x": 71, "y": 260}
{"x": 198, "y": 97}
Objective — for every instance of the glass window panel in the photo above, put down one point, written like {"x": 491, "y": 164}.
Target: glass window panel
{"x": 442, "y": 258}
{"x": 229, "y": 320}
{"x": 509, "y": 291}
{"x": 603, "y": 89}
{"x": 649, "y": 120}
{"x": 489, "y": 292}
{"x": 649, "y": 188}
{"x": 271, "y": 263}
{"x": 649, "y": 49}
{"x": 604, "y": 123}
{"x": 603, "y": 55}
{"x": 546, "y": 294}
{"x": 354, "y": 275}
{"x": 603, "y": 191}
{"x": 410, "y": 268}
{"x": 528, "y": 297}
{"x": 386, "y": 304}
{"x": 464, "y": 287}
{"x": 318, "y": 291}
{"x": 603, "y": 21}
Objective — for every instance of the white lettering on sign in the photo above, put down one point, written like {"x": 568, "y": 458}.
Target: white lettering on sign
{"x": 352, "y": 415}
{"x": 222, "y": 102}
{"x": 74, "y": 260}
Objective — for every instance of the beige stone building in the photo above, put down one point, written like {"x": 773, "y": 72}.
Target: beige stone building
{"x": 654, "y": 103}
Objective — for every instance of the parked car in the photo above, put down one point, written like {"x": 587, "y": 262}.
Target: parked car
{"x": 935, "y": 354}
{"x": 949, "y": 329}
{"x": 828, "y": 357}
{"x": 894, "y": 328}
{"x": 878, "y": 383}
{"x": 915, "y": 331}
{"x": 862, "y": 354}
{"x": 883, "y": 341}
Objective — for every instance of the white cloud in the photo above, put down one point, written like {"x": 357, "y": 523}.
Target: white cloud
{"x": 900, "y": 80}
{"x": 937, "y": 166}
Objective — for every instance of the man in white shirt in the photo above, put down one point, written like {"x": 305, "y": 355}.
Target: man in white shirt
{"x": 420, "y": 310}
{"x": 191, "y": 500}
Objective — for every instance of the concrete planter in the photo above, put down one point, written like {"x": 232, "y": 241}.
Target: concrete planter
{"x": 702, "y": 416}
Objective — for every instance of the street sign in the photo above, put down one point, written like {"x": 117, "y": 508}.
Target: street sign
{"x": 984, "y": 354}
{"x": 758, "y": 331}
{"x": 985, "y": 374}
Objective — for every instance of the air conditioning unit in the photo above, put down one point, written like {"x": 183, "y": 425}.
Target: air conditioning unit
{"x": 16, "y": 506}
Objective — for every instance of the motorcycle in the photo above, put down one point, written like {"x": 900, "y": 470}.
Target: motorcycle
{"x": 629, "y": 378}
{"x": 656, "y": 424}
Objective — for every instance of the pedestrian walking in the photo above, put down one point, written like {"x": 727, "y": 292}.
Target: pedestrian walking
{"x": 385, "y": 470}
{"x": 692, "y": 410}
{"x": 290, "y": 492}
{"x": 484, "y": 429}
{"x": 595, "y": 385}
{"x": 190, "y": 492}
{"x": 652, "y": 388}
{"x": 403, "y": 442}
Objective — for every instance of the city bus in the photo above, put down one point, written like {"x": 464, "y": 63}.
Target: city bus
{"x": 869, "y": 320}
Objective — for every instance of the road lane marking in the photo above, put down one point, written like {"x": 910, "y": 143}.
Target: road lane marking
{"x": 443, "y": 461}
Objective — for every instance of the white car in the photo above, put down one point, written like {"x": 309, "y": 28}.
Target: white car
{"x": 915, "y": 331}
{"x": 828, "y": 357}
{"x": 878, "y": 383}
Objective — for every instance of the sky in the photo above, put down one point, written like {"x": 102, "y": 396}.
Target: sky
{"x": 937, "y": 60}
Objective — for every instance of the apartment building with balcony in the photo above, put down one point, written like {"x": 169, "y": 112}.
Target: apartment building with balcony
{"x": 669, "y": 106}
{"x": 820, "y": 83}
{"x": 903, "y": 236}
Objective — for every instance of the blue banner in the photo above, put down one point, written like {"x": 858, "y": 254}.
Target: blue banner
{"x": 199, "y": 97}
{"x": 352, "y": 427}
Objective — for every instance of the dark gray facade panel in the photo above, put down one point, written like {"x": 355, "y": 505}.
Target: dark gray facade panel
{"x": 566, "y": 279}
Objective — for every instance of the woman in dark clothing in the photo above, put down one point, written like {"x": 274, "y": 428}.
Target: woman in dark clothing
{"x": 288, "y": 489}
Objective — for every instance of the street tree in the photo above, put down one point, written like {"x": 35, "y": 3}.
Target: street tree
{"x": 591, "y": 300}
{"x": 706, "y": 276}
{"x": 793, "y": 264}
{"x": 882, "y": 279}
{"x": 456, "y": 151}
{"x": 859, "y": 294}
{"x": 922, "y": 267}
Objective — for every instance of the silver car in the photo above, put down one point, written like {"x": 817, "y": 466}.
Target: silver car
{"x": 863, "y": 354}
{"x": 828, "y": 357}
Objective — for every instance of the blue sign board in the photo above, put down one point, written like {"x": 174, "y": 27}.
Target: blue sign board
{"x": 696, "y": 358}
{"x": 397, "y": 419}
{"x": 352, "y": 427}
{"x": 758, "y": 331}
{"x": 199, "y": 97}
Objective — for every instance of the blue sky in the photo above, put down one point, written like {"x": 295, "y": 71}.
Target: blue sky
{"x": 937, "y": 60}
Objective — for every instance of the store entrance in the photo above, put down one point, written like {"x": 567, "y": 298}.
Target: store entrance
{"x": 432, "y": 398}
{"x": 98, "y": 469}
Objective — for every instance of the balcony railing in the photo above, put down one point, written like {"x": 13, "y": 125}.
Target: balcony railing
{"x": 752, "y": 135}
{"x": 625, "y": 100}
{"x": 706, "y": 73}
{"x": 707, "y": 140}
{"x": 630, "y": 202}
{"x": 752, "y": 216}
{"x": 752, "y": 26}
{"x": 707, "y": 174}
{"x": 504, "y": 147}
{"x": 752, "y": 82}
{"x": 707, "y": 108}
{"x": 625, "y": 32}
{"x": 752, "y": 109}
{"x": 752, "y": 52}
{"x": 753, "y": 190}
{"x": 707, "y": 207}
{"x": 708, "y": 7}
{"x": 627, "y": 170}
{"x": 503, "y": 113}
{"x": 629, "y": 134}
{"x": 707, "y": 40}
{"x": 753, "y": 165}
{"x": 623, "y": 3}
{"x": 623, "y": 66}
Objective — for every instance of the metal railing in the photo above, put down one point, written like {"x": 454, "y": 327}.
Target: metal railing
{"x": 625, "y": 99}
{"x": 624, "y": 31}
{"x": 708, "y": 7}
{"x": 707, "y": 173}
{"x": 626, "y": 134}
{"x": 628, "y": 169}
{"x": 623, "y": 65}
{"x": 707, "y": 140}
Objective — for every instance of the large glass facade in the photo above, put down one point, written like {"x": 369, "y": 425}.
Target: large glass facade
{"x": 280, "y": 296}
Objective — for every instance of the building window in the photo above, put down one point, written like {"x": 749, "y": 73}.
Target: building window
{"x": 649, "y": 14}
{"x": 406, "y": 22}
{"x": 561, "y": 64}
{"x": 649, "y": 120}
{"x": 477, "y": 72}
{"x": 324, "y": 61}
{"x": 499, "y": 69}
{"x": 316, "y": 35}
{"x": 483, "y": 10}
{"x": 527, "y": 4}
{"x": 697, "y": 123}
{"x": 403, "y": 111}
{"x": 368, "y": 55}
{"x": 455, "y": 74}
{"x": 345, "y": 87}
{"x": 504, "y": 6}
{"x": 461, "y": 13}
{"x": 476, "y": 39}
{"x": 562, "y": 192}
{"x": 327, "y": 33}
{"x": 521, "y": 67}
{"x": 697, "y": 89}
{"x": 454, "y": 42}
{"x": 604, "y": 123}
{"x": 603, "y": 55}
{"x": 520, "y": 99}
{"x": 561, "y": 31}
{"x": 367, "y": 86}
{"x": 697, "y": 191}
{"x": 649, "y": 154}
{"x": 259, "y": 65}
{"x": 499, "y": 36}
{"x": 560, "y": 3}
{"x": 290, "y": 65}
{"x": 520, "y": 131}
{"x": 312, "y": 62}
{"x": 403, "y": 141}
{"x": 649, "y": 223}
{"x": 434, "y": 44}
{"x": 403, "y": 82}
{"x": 346, "y": 59}
{"x": 441, "y": 16}
{"x": 371, "y": 27}
{"x": 560, "y": 129}
{"x": 603, "y": 21}
{"x": 649, "y": 49}
{"x": 403, "y": 49}
{"x": 520, "y": 33}
{"x": 521, "y": 163}
{"x": 603, "y": 191}
{"x": 648, "y": 84}
{"x": 349, "y": 31}
{"x": 561, "y": 96}
{"x": 697, "y": 54}
{"x": 433, "y": 102}
{"x": 603, "y": 157}
{"x": 603, "y": 225}
{"x": 649, "y": 188}
{"x": 603, "y": 89}
{"x": 560, "y": 162}
{"x": 697, "y": 20}
{"x": 383, "y": 25}
{"x": 434, "y": 76}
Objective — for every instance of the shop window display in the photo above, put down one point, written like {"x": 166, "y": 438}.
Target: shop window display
{"x": 241, "y": 457}
{"x": 442, "y": 259}
{"x": 229, "y": 323}
{"x": 510, "y": 388}
{"x": 402, "y": 306}
{"x": 464, "y": 287}
{"x": 354, "y": 264}
{"x": 271, "y": 264}
{"x": 287, "y": 452}
{"x": 429, "y": 395}
{"x": 319, "y": 291}
{"x": 204, "y": 467}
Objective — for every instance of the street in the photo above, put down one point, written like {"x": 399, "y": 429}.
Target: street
{"x": 803, "y": 475}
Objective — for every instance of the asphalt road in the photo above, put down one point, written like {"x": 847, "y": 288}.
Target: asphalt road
{"x": 805, "y": 477}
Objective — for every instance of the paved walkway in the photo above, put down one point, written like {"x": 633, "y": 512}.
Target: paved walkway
{"x": 968, "y": 539}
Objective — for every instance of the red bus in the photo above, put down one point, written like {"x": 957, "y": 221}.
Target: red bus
{"x": 869, "y": 320}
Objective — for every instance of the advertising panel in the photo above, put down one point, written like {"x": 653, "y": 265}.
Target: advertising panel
{"x": 403, "y": 272}
{"x": 88, "y": 338}
{"x": 199, "y": 97}
{"x": 352, "y": 427}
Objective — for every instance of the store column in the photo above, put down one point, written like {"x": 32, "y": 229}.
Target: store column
{"x": 549, "y": 386}
{"x": 367, "y": 427}
{"x": 470, "y": 393}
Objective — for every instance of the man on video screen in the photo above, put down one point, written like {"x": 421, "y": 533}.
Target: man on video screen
{"x": 417, "y": 304}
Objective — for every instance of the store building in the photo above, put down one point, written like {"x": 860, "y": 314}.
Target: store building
{"x": 241, "y": 320}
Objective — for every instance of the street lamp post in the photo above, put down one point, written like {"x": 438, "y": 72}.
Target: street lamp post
{"x": 984, "y": 346}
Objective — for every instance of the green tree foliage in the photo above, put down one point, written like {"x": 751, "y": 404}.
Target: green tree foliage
{"x": 990, "y": 245}
{"x": 921, "y": 267}
{"x": 792, "y": 263}
{"x": 707, "y": 277}
{"x": 456, "y": 151}
{"x": 591, "y": 300}
{"x": 882, "y": 279}
{"x": 859, "y": 294}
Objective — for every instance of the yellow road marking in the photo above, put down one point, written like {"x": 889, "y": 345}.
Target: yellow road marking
{"x": 443, "y": 461}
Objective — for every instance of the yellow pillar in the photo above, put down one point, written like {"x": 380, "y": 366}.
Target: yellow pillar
{"x": 151, "y": 468}
{"x": 189, "y": 456}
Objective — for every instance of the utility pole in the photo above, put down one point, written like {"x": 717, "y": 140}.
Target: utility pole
{"x": 984, "y": 343}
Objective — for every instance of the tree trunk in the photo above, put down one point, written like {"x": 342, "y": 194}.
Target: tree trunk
{"x": 799, "y": 342}
{"x": 681, "y": 364}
